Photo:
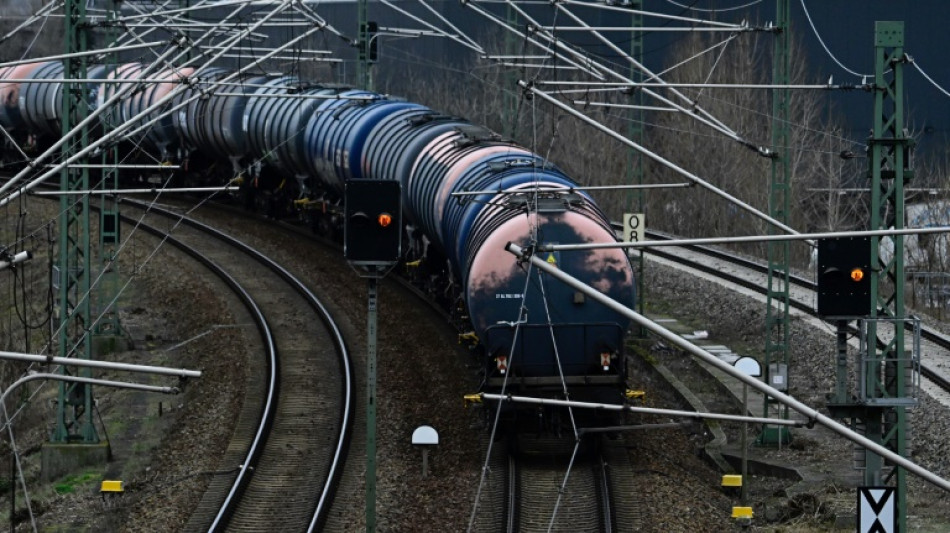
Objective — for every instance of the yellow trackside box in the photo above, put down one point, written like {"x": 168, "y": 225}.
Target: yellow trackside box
{"x": 111, "y": 486}
{"x": 742, "y": 512}
{"x": 732, "y": 480}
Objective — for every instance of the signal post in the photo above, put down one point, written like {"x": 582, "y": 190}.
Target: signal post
{"x": 886, "y": 372}
{"x": 372, "y": 243}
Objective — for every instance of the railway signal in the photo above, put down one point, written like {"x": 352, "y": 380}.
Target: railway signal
{"x": 844, "y": 277}
{"x": 373, "y": 226}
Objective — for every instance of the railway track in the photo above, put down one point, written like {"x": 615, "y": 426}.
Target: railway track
{"x": 294, "y": 429}
{"x": 541, "y": 484}
{"x": 710, "y": 261}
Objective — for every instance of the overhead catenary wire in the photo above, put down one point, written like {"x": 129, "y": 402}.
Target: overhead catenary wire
{"x": 694, "y": 110}
{"x": 656, "y": 14}
{"x": 121, "y": 128}
{"x": 96, "y": 281}
{"x": 655, "y": 108}
{"x": 825, "y": 47}
{"x": 43, "y": 12}
{"x": 659, "y": 159}
{"x": 716, "y": 10}
{"x": 519, "y": 320}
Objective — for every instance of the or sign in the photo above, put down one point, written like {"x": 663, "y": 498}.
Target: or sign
{"x": 877, "y": 510}
{"x": 634, "y": 227}
{"x": 425, "y": 436}
{"x": 844, "y": 277}
{"x": 372, "y": 229}
{"x": 748, "y": 366}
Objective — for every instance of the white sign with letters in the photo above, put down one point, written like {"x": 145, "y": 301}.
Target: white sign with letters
{"x": 634, "y": 227}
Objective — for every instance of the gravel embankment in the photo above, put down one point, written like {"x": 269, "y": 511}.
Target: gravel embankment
{"x": 423, "y": 374}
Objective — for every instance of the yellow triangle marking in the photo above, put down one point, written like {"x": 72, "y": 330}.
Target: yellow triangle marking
{"x": 551, "y": 259}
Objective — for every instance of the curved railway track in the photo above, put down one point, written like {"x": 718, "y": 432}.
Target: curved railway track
{"x": 803, "y": 304}
{"x": 293, "y": 433}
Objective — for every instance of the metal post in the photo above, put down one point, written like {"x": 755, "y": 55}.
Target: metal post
{"x": 363, "y": 76}
{"x": 371, "y": 407}
{"x": 889, "y": 161}
{"x": 635, "y": 131}
{"x": 777, "y": 297}
{"x": 743, "y": 495}
{"x": 511, "y": 96}
{"x": 74, "y": 422}
{"x": 841, "y": 363}
{"x": 107, "y": 290}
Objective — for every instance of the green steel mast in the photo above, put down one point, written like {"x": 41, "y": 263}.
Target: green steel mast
{"x": 74, "y": 421}
{"x": 107, "y": 290}
{"x": 777, "y": 298}
{"x": 886, "y": 396}
{"x": 364, "y": 74}
{"x": 635, "y": 134}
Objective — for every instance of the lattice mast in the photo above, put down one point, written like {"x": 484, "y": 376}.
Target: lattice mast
{"x": 74, "y": 421}
{"x": 886, "y": 365}
{"x": 777, "y": 298}
{"x": 635, "y": 198}
{"x": 107, "y": 290}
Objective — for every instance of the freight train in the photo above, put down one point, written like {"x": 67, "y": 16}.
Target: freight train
{"x": 294, "y": 145}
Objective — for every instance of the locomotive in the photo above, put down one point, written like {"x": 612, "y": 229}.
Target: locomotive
{"x": 294, "y": 145}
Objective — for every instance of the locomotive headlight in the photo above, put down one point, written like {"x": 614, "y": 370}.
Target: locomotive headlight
{"x": 384, "y": 219}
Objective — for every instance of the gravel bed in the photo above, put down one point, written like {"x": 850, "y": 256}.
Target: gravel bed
{"x": 738, "y": 322}
{"x": 423, "y": 373}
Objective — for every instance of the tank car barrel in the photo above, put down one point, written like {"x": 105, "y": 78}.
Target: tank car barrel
{"x": 89, "y": 120}
{"x": 122, "y": 129}
{"x": 291, "y": 148}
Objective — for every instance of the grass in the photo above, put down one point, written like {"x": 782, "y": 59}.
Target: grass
{"x": 71, "y": 483}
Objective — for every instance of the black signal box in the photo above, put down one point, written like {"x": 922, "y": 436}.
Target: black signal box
{"x": 372, "y": 230}
{"x": 844, "y": 277}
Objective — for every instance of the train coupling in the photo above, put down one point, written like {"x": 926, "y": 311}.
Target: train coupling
{"x": 631, "y": 394}
{"x": 471, "y": 399}
{"x": 469, "y": 338}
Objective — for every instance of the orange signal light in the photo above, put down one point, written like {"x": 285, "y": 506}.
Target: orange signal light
{"x": 857, "y": 274}
{"x": 384, "y": 219}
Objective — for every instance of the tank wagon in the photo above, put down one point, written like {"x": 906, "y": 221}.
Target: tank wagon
{"x": 294, "y": 145}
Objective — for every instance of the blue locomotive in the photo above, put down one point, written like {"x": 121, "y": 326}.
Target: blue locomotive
{"x": 295, "y": 145}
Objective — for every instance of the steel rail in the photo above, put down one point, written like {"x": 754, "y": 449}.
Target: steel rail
{"x": 930, "y": 334}
{"x": 246, "y": 469}
{"x": 346, "y": 422}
